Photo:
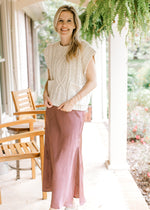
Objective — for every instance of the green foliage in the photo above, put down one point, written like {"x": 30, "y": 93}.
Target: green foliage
{"x": 92, "y": 27}
{"x": 138, "y": 124}
{"x": 139, "y": 89}
{"x": 140, "y": 97}
{"x": 99, "y": 16}
{"x": 139, "y": 63}
{"x": 138, "y": 118}
{"x": 46, "y": 32}
{"x": 132, "y": 82}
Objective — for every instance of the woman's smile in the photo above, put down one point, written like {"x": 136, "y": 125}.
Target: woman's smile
{"x": 65, "y": 24}
{"x": 64, "y": 30}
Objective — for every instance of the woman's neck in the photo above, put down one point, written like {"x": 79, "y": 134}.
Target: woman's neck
{"x": 65, "y": 41}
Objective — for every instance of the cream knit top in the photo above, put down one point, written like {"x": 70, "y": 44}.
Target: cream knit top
{"x": 67, "y": 77}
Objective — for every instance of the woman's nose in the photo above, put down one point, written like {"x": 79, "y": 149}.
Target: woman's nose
{"x": 64, "y": 23}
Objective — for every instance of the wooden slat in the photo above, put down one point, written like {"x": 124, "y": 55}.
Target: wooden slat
{"x": 19, "y": 157}
{"x": 22, "y": 135}
{"x": 38, "y": 163}
{"x": 12, "y": 148}
{"x": 20, "y": 100}
{"x": 35, "y": 145}
{"x": 19, "y": 150}
{"x": 32, "y": 148}
{"x": 21, "y": 117}
{"x": 25, "y": 109}
{"x": 21, "y": 95}
{"x": 21, "y": 91}
{"x": 24, "y": 105}
{"x": 17, "y": 104}
{"x": 40, "y": 105}
{"x": 31, "y": 112}
{"x": 25, "y": 148}
{"x": 24, "y": 101}
{"x": 6, "y": 150}
{"x": 23, "y": 98}
{"x": 17, "y": 122}
{"x": 1, "y": 152}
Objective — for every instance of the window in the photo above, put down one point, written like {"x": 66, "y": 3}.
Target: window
{"x": 30, "y": 53}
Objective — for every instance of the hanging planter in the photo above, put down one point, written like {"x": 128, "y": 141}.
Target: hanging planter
{"x": 99, "y": 15}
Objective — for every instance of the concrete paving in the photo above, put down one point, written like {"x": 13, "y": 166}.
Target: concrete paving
{"x": 104, "y": 189}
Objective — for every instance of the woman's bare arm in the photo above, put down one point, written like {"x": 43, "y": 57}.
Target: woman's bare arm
{"x": 46, "y": 98}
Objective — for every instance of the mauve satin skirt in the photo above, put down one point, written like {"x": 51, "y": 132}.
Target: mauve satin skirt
{"x": 63, "y": 166}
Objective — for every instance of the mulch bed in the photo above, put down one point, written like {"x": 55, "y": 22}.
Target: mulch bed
{"x": 138, "y": 156}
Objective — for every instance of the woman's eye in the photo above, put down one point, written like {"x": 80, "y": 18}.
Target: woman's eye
{"x": 60, "y": 20}
{"x": 69, "y": 21}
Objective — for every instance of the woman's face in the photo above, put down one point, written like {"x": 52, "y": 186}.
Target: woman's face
{"x": 65, "y": 24}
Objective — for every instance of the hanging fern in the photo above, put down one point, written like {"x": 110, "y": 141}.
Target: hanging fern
{"x": 99, "y": 16}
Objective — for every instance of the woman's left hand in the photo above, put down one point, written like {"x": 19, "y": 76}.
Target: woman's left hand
{"x": 66, "y": 106}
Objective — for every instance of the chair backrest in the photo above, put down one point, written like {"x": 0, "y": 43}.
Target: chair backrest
{"x": 23, "y": 101}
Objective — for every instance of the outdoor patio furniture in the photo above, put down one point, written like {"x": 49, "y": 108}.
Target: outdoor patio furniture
{"x": 26, "y": 149}
{"x": 25, "y": 108}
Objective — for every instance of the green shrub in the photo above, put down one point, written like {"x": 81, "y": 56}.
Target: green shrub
{"x": 138, "y": 118}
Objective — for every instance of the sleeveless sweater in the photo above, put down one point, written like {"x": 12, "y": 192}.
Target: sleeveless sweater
{"x": 67, "y": 77}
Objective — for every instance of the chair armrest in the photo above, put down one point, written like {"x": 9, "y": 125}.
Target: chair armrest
{"x": 17, "y": 122}
{"x": 40, "y": 105}
{"x": 23, "y": 135}
{"x": 30, "y": 112}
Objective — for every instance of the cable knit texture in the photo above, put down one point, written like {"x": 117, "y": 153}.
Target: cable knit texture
{"x": 67, "y": 77}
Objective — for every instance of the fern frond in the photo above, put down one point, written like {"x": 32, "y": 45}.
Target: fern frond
{"x": 100, "y": 15}
{"x": 82, "y": 2}
{"x": 90, "y": 9}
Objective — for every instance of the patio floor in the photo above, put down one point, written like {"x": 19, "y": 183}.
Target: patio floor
{"x": 104, "y": 189}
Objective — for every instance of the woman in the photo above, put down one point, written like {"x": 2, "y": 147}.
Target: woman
{"x": 71, "y": 77}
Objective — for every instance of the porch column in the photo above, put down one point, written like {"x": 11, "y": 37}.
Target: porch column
{"x": 99, "y": 96}
{"x": 117, "y": 100}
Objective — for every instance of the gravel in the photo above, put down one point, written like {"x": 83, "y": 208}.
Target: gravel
{"x": 138, "y": 156}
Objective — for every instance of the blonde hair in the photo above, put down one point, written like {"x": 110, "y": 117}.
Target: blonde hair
{"x": 75, "y": 43}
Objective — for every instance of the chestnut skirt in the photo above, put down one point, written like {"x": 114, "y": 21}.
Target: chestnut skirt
{"x": 63, "y": 167}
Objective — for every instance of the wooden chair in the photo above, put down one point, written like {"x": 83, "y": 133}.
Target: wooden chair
{"x": 22, "y": 150}
{"x": 25, "y": 109}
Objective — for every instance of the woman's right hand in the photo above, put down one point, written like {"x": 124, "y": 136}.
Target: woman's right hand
{"x": 47, "y": 102}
